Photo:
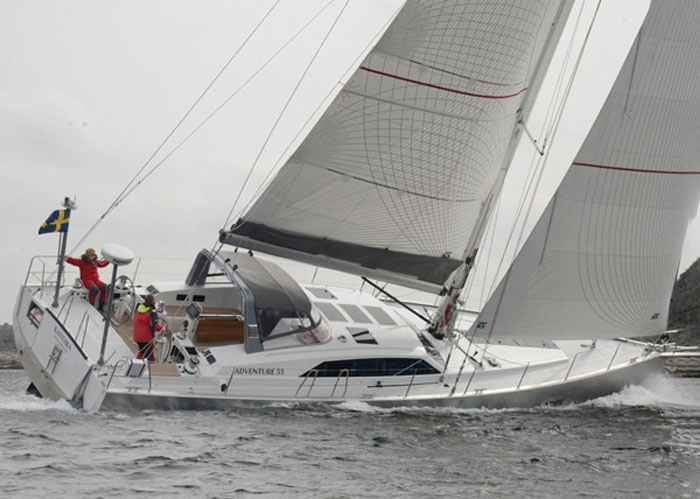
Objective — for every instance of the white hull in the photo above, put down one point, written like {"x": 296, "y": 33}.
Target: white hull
{"x": 584, "y": 387}
{"x": 524, "y": 376}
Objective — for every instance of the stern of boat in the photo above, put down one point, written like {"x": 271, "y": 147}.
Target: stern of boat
{"x": 52, "y": 359}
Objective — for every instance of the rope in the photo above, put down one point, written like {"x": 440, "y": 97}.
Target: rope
{"x": 555, "y": 127}
{"x": 279, "y": 117}
{"x": 126, "y": 191}
{"x": 321, "y": 105}
{"x": 535, "y": 162}
{"x": 533, "y": 178}
{"x": 557, "y": 121}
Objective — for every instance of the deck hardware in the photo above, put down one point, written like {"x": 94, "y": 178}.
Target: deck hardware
{"x": 343, "y": 372}
{"x": 53, "y": 359}
{"x": 312, "y": 372}
{"x": 571, "y": 366}
{"x": 410, "y": 384}
{"x": 613, "y": 358}
{"x": 523, "y": 376}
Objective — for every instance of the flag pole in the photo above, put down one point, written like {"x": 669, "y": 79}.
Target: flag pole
{"x": 68, "y": 204}
{"x": 61, "y": 258}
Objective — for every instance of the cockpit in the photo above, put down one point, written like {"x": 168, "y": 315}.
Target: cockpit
{"x": 271, "y": 307}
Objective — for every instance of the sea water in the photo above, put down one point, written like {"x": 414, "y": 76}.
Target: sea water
{"x": 641, "y": 442}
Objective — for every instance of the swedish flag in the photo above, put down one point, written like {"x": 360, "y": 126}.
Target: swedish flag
{"x": 57, "y": 222}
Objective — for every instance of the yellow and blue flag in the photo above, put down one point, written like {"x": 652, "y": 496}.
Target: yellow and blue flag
{"x": 57, "y": 222}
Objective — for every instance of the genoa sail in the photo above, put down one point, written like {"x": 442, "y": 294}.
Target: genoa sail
{"x": 602, "y": 260}
{"x": 393, "y": 179}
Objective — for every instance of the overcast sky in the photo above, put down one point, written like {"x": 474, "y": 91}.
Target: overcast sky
{"x": 88, "y": 89}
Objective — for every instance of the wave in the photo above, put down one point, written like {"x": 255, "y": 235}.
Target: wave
{"x": 24, "y": 403}
{"x": 659, "y": 391}
{"x": 364, "y": 407}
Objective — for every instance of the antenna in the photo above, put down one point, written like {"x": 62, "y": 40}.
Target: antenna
{"x": 69, "y": 203}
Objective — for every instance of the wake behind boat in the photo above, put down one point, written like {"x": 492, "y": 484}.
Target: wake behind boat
{"x": 397, "y": 182}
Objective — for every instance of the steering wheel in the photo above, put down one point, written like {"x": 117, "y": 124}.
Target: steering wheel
{"x": 125, "y": 305}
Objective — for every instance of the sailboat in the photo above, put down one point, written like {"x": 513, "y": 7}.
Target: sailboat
{"x": 396, "y": 183}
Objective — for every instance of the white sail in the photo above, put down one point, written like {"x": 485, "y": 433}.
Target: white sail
{"x": 391, "y": 181}
{"x": 602, "y": 259}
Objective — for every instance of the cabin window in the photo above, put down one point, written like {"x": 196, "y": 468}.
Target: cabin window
{"x": 35, "y": 314}
{"x": 331, "y": 312}
{"x": 274, "y": 322}
{"x": 288, "y": 328}
{"x": 372, "y": 367}
{"x": 356, "y": 314}
{"x": 380, "y": 316}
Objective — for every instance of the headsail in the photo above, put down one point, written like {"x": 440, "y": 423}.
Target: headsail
{"x": 391, "y": 181}
{"x": 602, "y": 259}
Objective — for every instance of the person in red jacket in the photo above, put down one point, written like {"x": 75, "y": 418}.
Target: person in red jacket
{"x": 88, "y": 264}
{"x": 145, "y": 326}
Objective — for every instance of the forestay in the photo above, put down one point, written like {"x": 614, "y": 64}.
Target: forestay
{"x": 602, "y": 260}
{"x": 391, "y": 181}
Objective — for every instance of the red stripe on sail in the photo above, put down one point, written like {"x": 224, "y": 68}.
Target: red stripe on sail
{"x": 636, "y": 170}
{"x": 438, "y": 87}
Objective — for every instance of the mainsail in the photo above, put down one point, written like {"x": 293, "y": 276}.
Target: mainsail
{"x": 393, "y": 179}
{"x": 602, "y": 259}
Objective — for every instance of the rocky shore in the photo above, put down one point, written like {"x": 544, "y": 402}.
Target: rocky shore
{"x": 8, "y": 353}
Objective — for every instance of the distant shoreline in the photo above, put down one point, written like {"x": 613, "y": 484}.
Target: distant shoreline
{"x": 10, "y": 360}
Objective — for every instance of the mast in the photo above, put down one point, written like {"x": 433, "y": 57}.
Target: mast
{"x": 444, "y": 319}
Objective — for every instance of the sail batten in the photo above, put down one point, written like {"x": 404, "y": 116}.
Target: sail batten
{"x": 392, "y": 180}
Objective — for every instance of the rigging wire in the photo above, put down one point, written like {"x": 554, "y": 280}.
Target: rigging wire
{"x": 535, "y": 163}
{"x": 555, "y": 128}
{"x": 313, "y": 114}
{"x": 551, "y": 123}
{"x": 281, "y": 114}
{"x": 126, "y": 191}
{"x": 557, "y": 121}
{"x": 550, "y": 115}
{"x": 229, "y": 98}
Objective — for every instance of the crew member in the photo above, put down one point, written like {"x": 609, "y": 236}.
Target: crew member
{"x": 88, "y": 264}
{"x": 145, "y": 326}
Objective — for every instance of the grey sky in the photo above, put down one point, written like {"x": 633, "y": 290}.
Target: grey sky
{"x": 88, "y": 89}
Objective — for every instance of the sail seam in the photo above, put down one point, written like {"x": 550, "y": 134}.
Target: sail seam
{"x": 440, "y": 87}
{"x": 420, "y": 109}
{"x": 391, "y": 187}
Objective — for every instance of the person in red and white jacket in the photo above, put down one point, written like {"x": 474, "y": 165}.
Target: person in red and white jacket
{"x": 88, "y": 265}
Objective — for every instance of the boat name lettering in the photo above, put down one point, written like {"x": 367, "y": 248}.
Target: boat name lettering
{"x": 61, "y": 338}
{"x": 259, "y": 371}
